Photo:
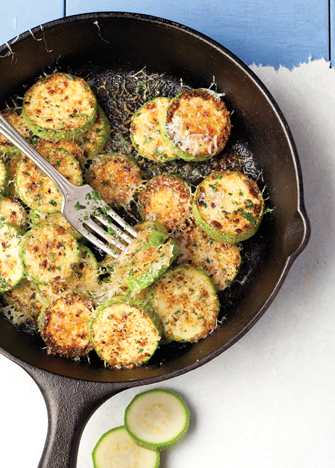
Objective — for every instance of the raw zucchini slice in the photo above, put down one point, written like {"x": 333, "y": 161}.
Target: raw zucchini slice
{"x": 186, "y": 301}
{"x": 157, "y": 419}
{"x": 85, "y": 278}
{"x": 97, "y": 136}
{"x": 11, "y": 211}
{"x": 146, "y": 258}
{"x": 15, "y": 118}
{"x": 36, "y": 189}
{"x": 49, "y": 254}
{"x": 167, "y": 199}
{"x": 146, "y": 131}
{"x": 11, "y": 268}
{"x": 59, "y": 107}
{"x": 40, "y": 217}
{"x": 116, "y": 177}
{"x": 220, "y": 261}
{"x": 26, "y": 304}
{"x": 3, "y": 178}
{"x": 63, "y": 325}
{"x": 115, "y": 449}
{"x": 197, "y": 125}
{"x": 228, "y": 206}
{"x": 125, "y": 333}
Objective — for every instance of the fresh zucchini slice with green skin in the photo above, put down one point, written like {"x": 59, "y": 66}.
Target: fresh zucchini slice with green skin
{"x": 36, "y": 189}
{"x": 228, "y": 206}
{"x": 125, "y": 333}
{"x": 85, "y": 278}
{"x": 146, "y": 131}
{"x": 197, "y": 125}
{"x": 15, "y": 118}
{"x": 220, "y": 261}
{"x": 59, "y": 107}
{"x": 3, "y": 178}
{"x": 49, "y": 254}
{"x": 116, "y": 449}
{"x": 11, "y": 211}
{"x": 186, "y": 301}
{"x": 157, "y": 419}
{"x": 167, "y": 199}
{"x": 26, "y": 302}
{"x": 131, "y": 266}
{"x": 11, "y": 267}
{"x": 63, "y": 325}
{"x": 97, "y": 136}
{"x": 116, "y": 177}
{"x": 37, "y": 217}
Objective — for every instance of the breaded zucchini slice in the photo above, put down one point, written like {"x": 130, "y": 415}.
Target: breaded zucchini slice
{"x": 72, "y": 147}
{"x": 220, "y": 261}
{"x": 167, "y": 199}
{"x": 97, "y": 136}
{"x": 40, "y": 217}
{"x": 15, "y": 118}
{"x": 49, "y": 253}
{"x": 115, "y": 448}
{"x": 63, "y": 325}
{"x": 145, "y": 259}
{"x": 228, "y": 206}
{"x": 36, "y": 189}
{"x": 59, "y": 107}
{"x": 146, "y": 131}
{"x": 3, "y": 178}
{"x": 11, "y": 211}
{"x": 197, "y": 125}
{"x": 186, "y": 301}
{"x": 125, "y": 333}
{"x": 26, "y": 302}
{"x": 116, "y": 177}
{"x": 85, "y": 278}
{"x": 11, "y": 267}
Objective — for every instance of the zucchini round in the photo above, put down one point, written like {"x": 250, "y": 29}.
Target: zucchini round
{"x": 167, "y": 199}
{"x": 15, "y": 118}
{"x": 115, "y": 449}
{"x": 146, "y": 131}
{"x": 186, "y": 301}
{"x": 228, "y": 206}
{"x": 220, "y": 261}
{"x": 11, "y": 268}
{"x": 157, "y": 419}
{"x": 97, "y": 136}
{"x": 11, "y": 211}
{"x": 125, "y": 333}
{"x": 37, "y": 217}
{"x": 116, "y": 177}
{"x": 27, "y": 304}
{"x": 59, "y": 107}
{"x": 36, "y": 189}
{"x": 197, "y": 125}
{"x": 72, "y": 147}
{"x": 63, "y": 325}
{"x": 49, "y": 254}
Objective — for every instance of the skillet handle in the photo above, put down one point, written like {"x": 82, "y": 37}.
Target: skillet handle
{"x": 70, "y": 404}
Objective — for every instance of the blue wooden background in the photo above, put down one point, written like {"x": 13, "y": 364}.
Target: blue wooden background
{"x": 267, "y": 32}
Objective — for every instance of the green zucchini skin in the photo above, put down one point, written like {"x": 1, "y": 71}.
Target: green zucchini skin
{"x": 96, "y": 137}
{"x": 12, "y": 270}
{"x": 3, "y": 178}
{"x": 52, "y": 123}
{"x": 142, "y": 408}
{"x": 241, "y": 215}
{"x": 196, "y": 112}
{"x": 124, "y": 332}
{"x": 109, "y": 447}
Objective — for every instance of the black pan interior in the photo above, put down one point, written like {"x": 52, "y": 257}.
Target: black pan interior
{"x": 108, "y": 43}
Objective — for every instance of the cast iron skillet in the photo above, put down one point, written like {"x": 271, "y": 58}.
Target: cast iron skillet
{"x": 72, "y": 390}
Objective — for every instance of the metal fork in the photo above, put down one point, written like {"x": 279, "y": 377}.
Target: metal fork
{"x": 82, "y": 206}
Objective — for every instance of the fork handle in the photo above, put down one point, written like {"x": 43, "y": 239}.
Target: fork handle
{"x": 14, "y": 137}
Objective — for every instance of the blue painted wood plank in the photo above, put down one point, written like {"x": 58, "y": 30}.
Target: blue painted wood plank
{"x": 18, "y": 16}
{"x": 265, "y": 32}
